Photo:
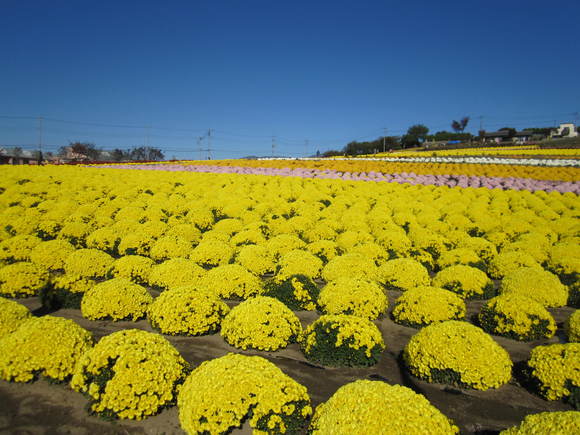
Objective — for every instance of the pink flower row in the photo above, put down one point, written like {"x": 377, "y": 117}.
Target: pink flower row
{"x": 403, "y": 177}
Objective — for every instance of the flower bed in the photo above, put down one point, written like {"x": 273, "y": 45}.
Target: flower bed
{"x": 221, "y": 394}
{"x": 457, "y": 353}
{"x": 376, "y": 407}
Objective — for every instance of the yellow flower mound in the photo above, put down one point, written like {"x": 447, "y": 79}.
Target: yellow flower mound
{"x": 424, "y": 305}
{"x": 354, "y": 296}
{"x": 564, "y": 261}
{"x": 256, "y": 258}
{"x": 116, "y": 299}
{"x": 12, "y": 314}
{"x": 186, "y": 311}
{"x": 482, "y": 247}
{"x": 75, "y": 232}
{"x": 560, "y": 422}
{"x": 376, "y": 407}
{"x": 537, "y": 284}
{"x": 130, "y": 374}
{"x": 463, "y": 256}
{"x": 169, "y": 247}
{"x": 88, "y": 263}
{"x": 18, "y": 248}
{"x": 403, "y": 274}
{"x": 516, "y": 316}
{"x": 232, "y": 281}
{"x": 372, "y": 250}
{"x": 298, "y": 262}
{"x": 22, "y": 279}
{"x": 177, "y": 272}
{"x": 106, "y": 239}
{"x": 466, "y": 281}
{"x": 51, "y": 254}
{"x": 221, "y": 393}
{"x": 133, "y": 267}
{"x": 572, "y": 327}
{"x": 342, "y": 340}
{"x": 261, "y": 323}
{"x": 283, "y": 243}
{"x": 456, "y": 352}
{"x": 350, "y": 265}
{"x": 555, "y": 368}
{"x": 48, "y": 346}
{"x": 326, "y": 250}
{"x": 507, "y": 262}
{"x": 211, "y": 253}
{"x": 135, "y": 243}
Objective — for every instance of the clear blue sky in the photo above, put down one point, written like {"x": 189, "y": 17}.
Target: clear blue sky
{"x": 326, "y": 71}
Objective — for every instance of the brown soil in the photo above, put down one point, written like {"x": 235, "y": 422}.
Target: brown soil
{"x": 41, "y": 408}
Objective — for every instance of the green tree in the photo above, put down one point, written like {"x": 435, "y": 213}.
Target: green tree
{"x": 418, "y": 131}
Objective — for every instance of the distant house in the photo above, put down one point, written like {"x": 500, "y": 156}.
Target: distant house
{"x": 567, "y": 129}
{"x": 511, "y": 136}
{"x": 497, "y": 136}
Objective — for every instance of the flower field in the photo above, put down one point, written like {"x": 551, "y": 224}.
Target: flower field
{"x": 291, "y": 296}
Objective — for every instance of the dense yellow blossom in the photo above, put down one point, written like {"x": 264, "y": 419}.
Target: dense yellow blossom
{"x": 556, "y": 368}
{"x": 559, "y": 422}
{"x": 456, "y": 352}
{"x": 354, "y": 296}
{"x": 12, "y": 314}
{"x": 424, "y": 305}
{"x": 48, "y": 346}
{"x": 22, "y": 279}
{"x": 88, "y": 263}
{"x": 176, "y": 272}
{"x": 232, "y": 281}
{"x": 116, "y": 299}
{"x": 537, "y": 284}
{"x": 262, "y": 323}
{"x": 18, "y": 248}
{"x": 187, "y": 311}
{"x": 516, "y": 316}
{"x": 376, "y": 407}
{"x": 51, "y": 254}
{"x": 134, "y": 267}
{"x": 212, "y": 253}
{"x": 350, "y": 265}
{"x": 221, "y": 393}
{"x": 403, "y": 274}
{"x": 130, "y": 374}
{"x": 572, "y": 327}
{"x": 510, "y": 261}
{"x": 298, "y": 262}
{"x": 343, "y": 340}
{"x": 466, "y": 281}
{"x": 256, "y": 258}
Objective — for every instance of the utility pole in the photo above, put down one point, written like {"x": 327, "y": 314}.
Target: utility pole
{"x": 40, "y": 139}
{"x": 480, "y": 122}
{"x": 306, "y": 148}
{"x": 209, "y": 144}
{"x": 385, "y": 141}
{"x": 199, "y": 139}
{"x": 273, "y": 145}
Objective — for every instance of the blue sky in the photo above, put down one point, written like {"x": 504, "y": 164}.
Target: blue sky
{"x": 324, "y": 71}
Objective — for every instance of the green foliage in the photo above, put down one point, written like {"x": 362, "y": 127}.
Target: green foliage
{"x": 285, "y": 292}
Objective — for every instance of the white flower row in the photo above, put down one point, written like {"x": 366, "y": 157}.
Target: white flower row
{"x": 476, "y": 160}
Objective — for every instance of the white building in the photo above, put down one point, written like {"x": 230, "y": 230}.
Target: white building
{"x": 567, "y": 129}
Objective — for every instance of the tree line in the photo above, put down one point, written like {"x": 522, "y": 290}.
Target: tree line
{"x": 87, "y": 150}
